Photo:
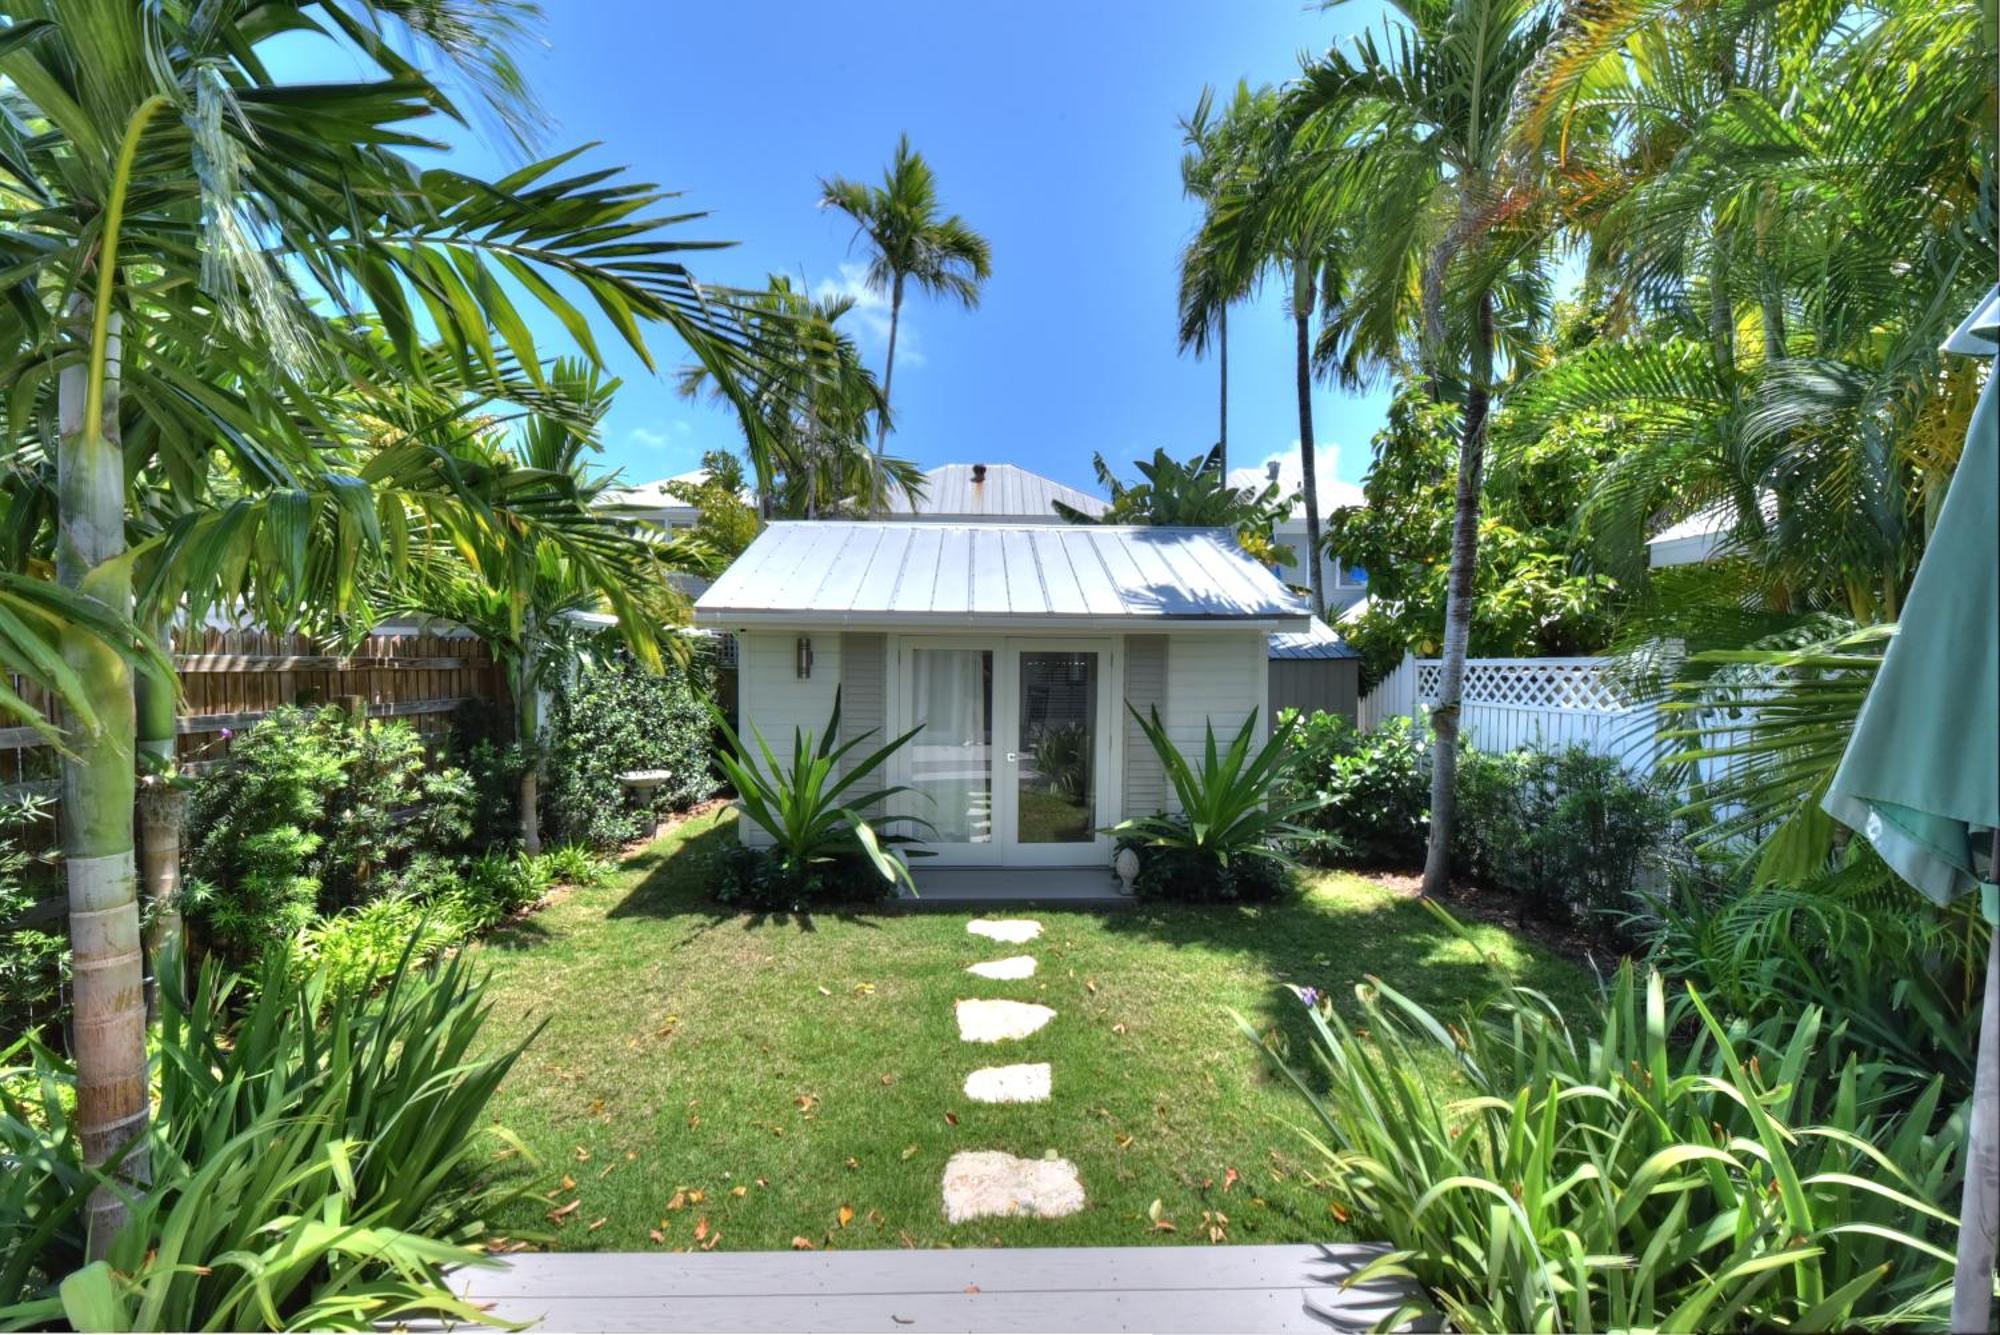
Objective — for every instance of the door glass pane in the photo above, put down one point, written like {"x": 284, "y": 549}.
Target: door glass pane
{"x": 1057, "y": 759}
{"x": 951, "y": 760}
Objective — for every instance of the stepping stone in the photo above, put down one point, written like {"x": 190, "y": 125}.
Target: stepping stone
{"x": 1028, "y": 1083}
{"x": 998, "y": 1021}
{"x": 981, "y": 1184}
{"x": 1019, "y": 966}
{"x": 1014, "y": 931}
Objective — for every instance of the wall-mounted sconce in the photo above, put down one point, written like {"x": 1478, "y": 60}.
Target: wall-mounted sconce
{"x": 805, "y": 656}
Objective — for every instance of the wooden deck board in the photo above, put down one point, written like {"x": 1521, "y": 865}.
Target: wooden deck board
{"x": 1260, "y": 1288}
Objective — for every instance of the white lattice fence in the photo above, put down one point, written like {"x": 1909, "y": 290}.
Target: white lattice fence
{"x": 1509, "y": 703}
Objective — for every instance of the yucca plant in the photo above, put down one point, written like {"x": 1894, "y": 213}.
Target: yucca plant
{"x": 1229, "y": 808}
{"x": 316, "y": 1166}
{"x": 1675, "y": 1172}
{"x": 805, "y": 806}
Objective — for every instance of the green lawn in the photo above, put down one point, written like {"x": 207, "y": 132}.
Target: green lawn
{"x": 793, "y": 1071}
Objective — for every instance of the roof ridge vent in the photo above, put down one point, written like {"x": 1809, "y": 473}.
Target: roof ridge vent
{"x": 978, "y": 473}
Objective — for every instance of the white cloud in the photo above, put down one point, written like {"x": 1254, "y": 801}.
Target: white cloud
{"x": 1333, "y": 493}
{"x": 870, "y": 316}
{"x": 659, "y": 437}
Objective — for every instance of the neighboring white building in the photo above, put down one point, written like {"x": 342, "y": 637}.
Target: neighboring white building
{"x": 1702, "y": 534}
{"x": 651, "y": 501}
{"x": 1016, "y": 646}
{"x": 1344, "y": 584}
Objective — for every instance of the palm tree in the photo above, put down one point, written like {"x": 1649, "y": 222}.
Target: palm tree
{"x": 908, "y": 241}
{"x": 817, "y": 406}
{"x": 520, "y": 546}
{"x": 1204, "y": 305}
{"x": 1269, "y": 213}
{"x": 1414, "y": 138}
{"x": 174, "y": 196}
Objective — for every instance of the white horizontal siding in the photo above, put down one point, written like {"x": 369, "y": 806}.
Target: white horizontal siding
{"x": 1218, "y": 679}
{"x": 774, "y": 700}
{"x": 1145, "y": 690}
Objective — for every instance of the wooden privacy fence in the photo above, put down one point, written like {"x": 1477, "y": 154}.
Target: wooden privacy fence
{"x": 1511, "y": 703}
{"x": 231, "y": 679}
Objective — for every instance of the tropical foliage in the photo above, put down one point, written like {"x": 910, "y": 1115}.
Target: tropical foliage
{"x": 1232, "y": 833}
{"x": 820, "y": 834}
{"x": 1605, "y": 1174}
{"x": 315, "y": 1166}
{"x": 1194, "y": 494}
{"x": 611, "y": 716}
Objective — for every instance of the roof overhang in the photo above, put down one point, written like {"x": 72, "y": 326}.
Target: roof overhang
{"x": 894, "y": 622}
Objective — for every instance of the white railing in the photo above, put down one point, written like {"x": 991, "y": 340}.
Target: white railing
{"x": 1510, "y": 703}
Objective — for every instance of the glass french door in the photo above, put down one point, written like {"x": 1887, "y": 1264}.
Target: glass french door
{"x": 1014, "y": 762}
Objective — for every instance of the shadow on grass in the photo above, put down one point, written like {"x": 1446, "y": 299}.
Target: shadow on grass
{"x": 1341, "y": 930}
{"x": 675, "y": 884}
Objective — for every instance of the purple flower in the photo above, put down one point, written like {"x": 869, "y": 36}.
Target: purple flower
{"x": 1309, "y": 995}
{"x": 227, "y": 733}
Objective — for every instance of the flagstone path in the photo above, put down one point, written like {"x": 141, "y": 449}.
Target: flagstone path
{"x": 983, "y": 1183}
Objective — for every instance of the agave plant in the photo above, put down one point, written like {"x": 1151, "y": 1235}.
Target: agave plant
{"x": 1622, "y": 1175}
{"x": 805, "y": 807}
{"x": 1226, "y": 799}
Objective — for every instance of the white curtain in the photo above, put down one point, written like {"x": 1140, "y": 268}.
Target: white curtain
{"x": 953, "y": 756}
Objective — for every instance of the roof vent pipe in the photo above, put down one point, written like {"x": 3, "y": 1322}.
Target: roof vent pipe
{"x": 978, "y": 473}
{"x": 1271, "y": 469}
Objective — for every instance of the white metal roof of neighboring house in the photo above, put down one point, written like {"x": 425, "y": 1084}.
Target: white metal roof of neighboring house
{"x": 1318, "y": 641}
{"x": 1702, "y": 533}
{"x": 992, "y": 491}
{"x": 976, "y": 575}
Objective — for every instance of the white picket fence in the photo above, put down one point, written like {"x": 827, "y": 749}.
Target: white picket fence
{"x": 1510, "y": 703}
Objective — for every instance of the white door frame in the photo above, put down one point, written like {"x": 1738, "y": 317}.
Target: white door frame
{"x": 1004, "y": 846}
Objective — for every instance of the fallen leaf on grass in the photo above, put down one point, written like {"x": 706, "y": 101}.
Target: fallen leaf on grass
{"x": 1230, "y": 1177}
{"x": 888, "y": 1078}
{"x": 951, "y": 1119}
{"x": 701, "y": 1228}
{"x": 697, "y": 1196}
{"x": 1090, "y": 987}
{"x": 656, "y": 1235}
{"x": 823, "y": 991}
{"x": 1124, "y": 1142}
{"x": 864, "y": 989}
{"x": 739, "y": 1191}
{"x": 598, "y": 1223}
{"x": 846, "y": 1215}
{"x": 1118, "y": 1028}
{"x": 763, "y": 1181}
{"x": 802, "y": 1244}
{"x": 713, "y": 1238}
{"x": 909, "y": 1153}
{"x": 679, "y": 1202}
{"x": 853, "y": 1164}
{"x": 1216, "y": 1224}
{"x": 582, "y": 1154}
{"x": 1157, "y": 1213}
{"x": 562, "y": 1212}
{"x": 569, "y": 1183}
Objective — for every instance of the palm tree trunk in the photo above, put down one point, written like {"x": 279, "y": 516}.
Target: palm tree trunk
{"x": 1222, "y": 348}
{"x": 888, "y": 382}
{"x": 162, "y": 810}
{"x": 1458, "y": 602}
{"x": 528, "y": 726}
{"x": 1302, "y": 303}
{"x": 98, "y": 785}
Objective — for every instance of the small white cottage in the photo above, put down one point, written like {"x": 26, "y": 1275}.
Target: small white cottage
{"x": 1016, "y": 647}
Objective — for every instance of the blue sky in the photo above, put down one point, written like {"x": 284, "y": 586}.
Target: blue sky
{"x": 1053, "y": 130}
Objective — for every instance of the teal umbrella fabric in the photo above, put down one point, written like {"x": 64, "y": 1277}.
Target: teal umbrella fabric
{"x": 1922, "y": 772}
{"x": 1920, "y": 779}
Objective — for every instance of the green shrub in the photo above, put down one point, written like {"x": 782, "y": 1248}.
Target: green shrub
{"x": 614, "y": 716}
{"x": 1602, "y": 1176}
{"x": 359, "y": 948}
{"x": 1175, "y": 872}
{"x": 1233, "y": 815}
{"x": 818, "y": 811}
{"x": 34, "y": 961}
{"x": 312, "y": 813}
{"x": 502, "y": 884}
{"x": 1373, "y": 790}
{"x": 1568, "y": 833}
{"x": 315, "y": 1166}
{"x": 1062, "y": 758}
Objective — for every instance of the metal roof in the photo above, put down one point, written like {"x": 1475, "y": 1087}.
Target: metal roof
{"x": 1321, "y": 641}
{"x": 1006, "y": 492}
{"x": 850, "y": 572}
